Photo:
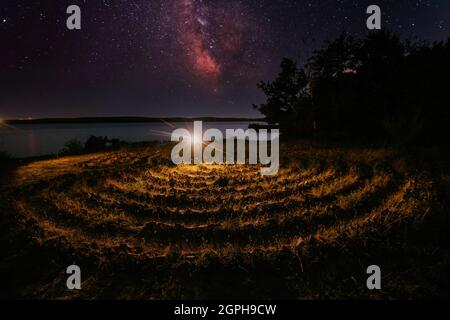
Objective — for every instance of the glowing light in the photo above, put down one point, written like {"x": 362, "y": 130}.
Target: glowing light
{"x": 197, "y": 139}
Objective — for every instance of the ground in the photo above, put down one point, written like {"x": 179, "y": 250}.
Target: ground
{"x": 142, "y": 228}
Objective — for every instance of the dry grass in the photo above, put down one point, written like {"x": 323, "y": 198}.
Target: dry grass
{"x": 142, "y": 228}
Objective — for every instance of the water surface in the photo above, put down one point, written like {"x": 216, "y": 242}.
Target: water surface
{"x": 29, "y": 140}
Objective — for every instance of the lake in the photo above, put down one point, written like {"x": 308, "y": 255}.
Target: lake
{"x": 29, "y": 140}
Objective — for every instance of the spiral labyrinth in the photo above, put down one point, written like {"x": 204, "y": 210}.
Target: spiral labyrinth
{"x": 137, "y": 205}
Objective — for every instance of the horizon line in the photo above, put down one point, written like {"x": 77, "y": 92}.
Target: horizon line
{"x": 118, "y": 119}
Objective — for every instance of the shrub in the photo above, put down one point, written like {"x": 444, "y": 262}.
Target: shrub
{"x": 6, "y": 162}
{"x": 72, "y": 147}
{"x": 96, "y": 144}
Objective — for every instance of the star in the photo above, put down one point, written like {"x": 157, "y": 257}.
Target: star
{"x": 222, "y": 49}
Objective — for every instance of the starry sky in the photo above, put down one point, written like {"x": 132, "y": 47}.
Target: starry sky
{"x": 161, "y": 58}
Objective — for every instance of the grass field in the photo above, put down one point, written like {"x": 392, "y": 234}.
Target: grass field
{"x": 141, "y": 228}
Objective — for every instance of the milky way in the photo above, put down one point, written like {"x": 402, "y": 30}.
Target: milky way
{"x": 192, "y": 28}
{"x": 216, "y": 41}
{"x": 175, "y": 57}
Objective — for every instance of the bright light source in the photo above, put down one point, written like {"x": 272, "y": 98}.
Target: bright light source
{"x": 197, "y": 139}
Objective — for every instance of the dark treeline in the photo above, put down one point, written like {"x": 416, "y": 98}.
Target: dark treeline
{"x": 93, "y": 144}
{"x": 376, "y": 88}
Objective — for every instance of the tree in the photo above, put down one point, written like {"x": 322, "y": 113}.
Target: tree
{"x": 375, "y": 88}
{"x": 334, "y": 69}
{"x": 288, "y": 99}
{"x": 336, "y": 58}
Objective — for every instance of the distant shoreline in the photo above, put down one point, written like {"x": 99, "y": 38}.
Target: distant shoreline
{"x": 128, "y": 120}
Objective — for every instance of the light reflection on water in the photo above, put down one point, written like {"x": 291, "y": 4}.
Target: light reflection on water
{"x": 43, "y": 139}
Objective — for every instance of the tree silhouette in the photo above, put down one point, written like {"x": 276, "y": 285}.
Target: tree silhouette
{"x": 375, "y": 88}
{"x": 288, "y": 99}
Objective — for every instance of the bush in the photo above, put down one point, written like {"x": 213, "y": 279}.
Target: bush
{"x": 4, "y": 156}
{"x": 93, "y": 144}
{"x": 6, "y": 162}
{"x": 72, "y": 147}
{"x": 96, "y": 144}
{"x": 404, "y": 130}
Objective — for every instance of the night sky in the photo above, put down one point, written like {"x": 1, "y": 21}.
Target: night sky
{"x": 174, "y": 57}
